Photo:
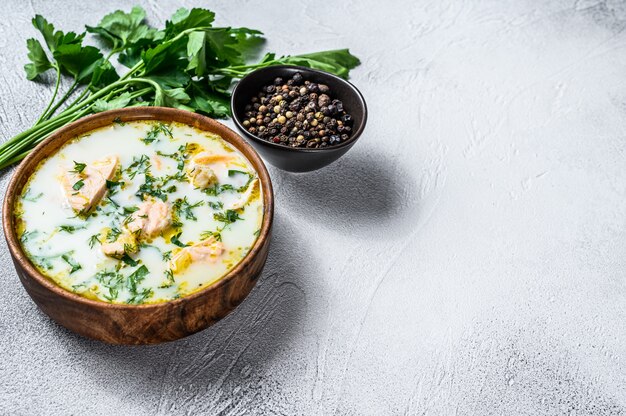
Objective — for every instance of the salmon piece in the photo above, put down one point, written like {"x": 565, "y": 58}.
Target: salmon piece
{"x": 206, "y": 158}
{"x": 125, "y": 243}
{"x": 199, "y": 171}
{"x": 94, "y": 186}
{"x": 247, "y": 195}
{"x": 208, "y": 250}
{"x": 156, "y": 162}
{"x": 150, "y": 219}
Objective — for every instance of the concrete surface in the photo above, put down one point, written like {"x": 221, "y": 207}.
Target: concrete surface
{"x": 468, "y": 256}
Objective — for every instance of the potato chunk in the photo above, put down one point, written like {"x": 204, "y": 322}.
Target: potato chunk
{"x": 150, "y": 219}
{"x": 85, "y": 189}
{"x": 208, "y": 250}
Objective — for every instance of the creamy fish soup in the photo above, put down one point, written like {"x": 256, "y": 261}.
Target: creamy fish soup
{"x": 140, "y": 212}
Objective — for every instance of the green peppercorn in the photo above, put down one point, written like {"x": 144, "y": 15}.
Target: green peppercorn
{"x": 277, "y": 109}
{"x": 282, "y": 119}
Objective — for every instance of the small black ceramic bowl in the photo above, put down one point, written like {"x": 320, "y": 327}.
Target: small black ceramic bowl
{"x": 297, "y": 159}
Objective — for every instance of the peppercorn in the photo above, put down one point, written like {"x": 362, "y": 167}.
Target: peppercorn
{"x": 323, "y": 100}
{"x": 297, "y": 113}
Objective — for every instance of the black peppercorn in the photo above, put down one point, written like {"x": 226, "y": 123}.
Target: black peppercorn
{"x": 297, "y": 78}
{"x": 278, "y": 81}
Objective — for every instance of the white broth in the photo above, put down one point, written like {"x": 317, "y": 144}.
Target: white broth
{"x": 140, "y": 212}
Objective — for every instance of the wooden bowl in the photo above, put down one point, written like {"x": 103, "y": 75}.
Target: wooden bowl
{"x": 138, "y": 324}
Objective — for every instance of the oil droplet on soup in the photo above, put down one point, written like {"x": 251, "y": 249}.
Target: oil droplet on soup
{"x": 140, "y": 212}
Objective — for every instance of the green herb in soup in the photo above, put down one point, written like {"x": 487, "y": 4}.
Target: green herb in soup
{"x": 140, "y": 212}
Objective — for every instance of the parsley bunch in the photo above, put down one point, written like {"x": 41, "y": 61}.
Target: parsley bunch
{"x": 189, "y": 64}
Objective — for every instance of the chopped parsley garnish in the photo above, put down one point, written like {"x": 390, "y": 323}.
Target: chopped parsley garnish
{"x": 182, "y": 207}
{"x": 128, "y": 259}
{"x": 227, "y": 217}
{"x": 153, "y": 134}
{"x": 180, "y": 156}
{"x": 155, "y": 187}
{"x": 93, "y": 240}
{"x": 206, "y": 234}
{"x": 216, "y": 205}
{"x": 167, "y": 255}
{"x": 133, "y": 280}
{"x": 169, "y": 274}
{"x": 119, "y": 121}
{"x": 73, "y": 264}
{"x": 112, "y": 234}
{"x": 78, "y": 167}
{"x": 31, "y": 198}
{"x": 113, "y": 185}
{"x": 257, "y": 232}
{"x": 28, "y": 235}
{"x": 79, "y": 184}
{"x": 69, "y": 228}
{"x": 112, "y": 280}
{"x": 176, "y": 240}
{"x": 139, "y": 165}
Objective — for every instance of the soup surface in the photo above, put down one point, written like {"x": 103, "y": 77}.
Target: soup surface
{"x": 140, "y": 212}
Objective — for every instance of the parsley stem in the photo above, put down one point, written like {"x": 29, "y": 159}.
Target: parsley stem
{"x": 54, "y": 94}
{"x": 50, "y": 111}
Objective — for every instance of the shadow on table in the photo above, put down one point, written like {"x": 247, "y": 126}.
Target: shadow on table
{"x": 361, "y": 192}
{"x": 232, "y": 351}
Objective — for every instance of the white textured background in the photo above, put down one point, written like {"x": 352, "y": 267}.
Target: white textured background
{"x": 468, "y": 256}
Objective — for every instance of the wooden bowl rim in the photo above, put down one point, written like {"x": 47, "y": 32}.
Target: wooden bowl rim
{"x": 70, "y": 131}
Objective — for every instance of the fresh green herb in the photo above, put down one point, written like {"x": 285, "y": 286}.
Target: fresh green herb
{"x": 73, "y": 264}
{"x": 176, "y": 240}
{"x": 130, "y": 210}
{"x": 135, "y": 278}
{"x": 79, "y": 184}
{"x": 182, "y": 207}
{"x": 257, "y": 233}
{"x": 169, "y": 274}
{"x": 206, "y": 234}
{"x": 157, "y": 129}
{"x": 140, "y": 297}
{"x": 216, "y": 204}
{"x": 113, "y": 185}
{"x": 180, "y": 156}
{"x": 31, "y": 198}
{"x": 111, "y": 201}
{"x": 79, "y": 167}
{"x": 69, "y": 228}
{"x": 112, "y": 234}
{"x": 227, "y": 217}
{"x": 188, "y": 64}
{"x": 167, "y": 255}
{"x": 93, "y": 240}
{"x": 128, "y": 259}
{"x": 27, "y": 235}
{"x": 139, "y": 165}
{"x": 119, "y": 121}
{"x": 113, "y": 281}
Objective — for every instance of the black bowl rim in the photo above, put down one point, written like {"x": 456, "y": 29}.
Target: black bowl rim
{"x": 353, "y": 138}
